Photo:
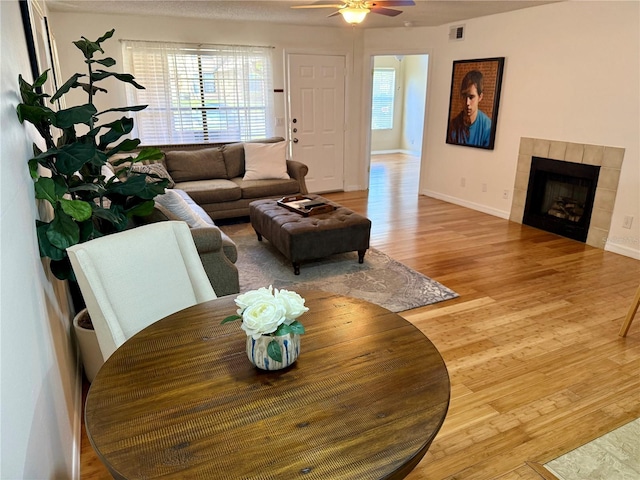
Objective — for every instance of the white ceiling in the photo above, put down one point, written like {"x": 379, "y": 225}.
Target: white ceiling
{"x": 425, "y": 13}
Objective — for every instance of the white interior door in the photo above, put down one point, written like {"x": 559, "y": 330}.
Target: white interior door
{"x": 316, "y": 118}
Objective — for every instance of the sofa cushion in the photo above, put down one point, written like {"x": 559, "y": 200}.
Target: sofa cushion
{"x": 234, "y": 159}
{"x": 267, "y": 188}
{"x": 265, "y": 161}
{"x": 211, "y": 191}
{"x": 189, "y": 165}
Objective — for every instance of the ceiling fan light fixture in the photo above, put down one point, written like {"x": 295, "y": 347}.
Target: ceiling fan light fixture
{"x": 354, "y": 15}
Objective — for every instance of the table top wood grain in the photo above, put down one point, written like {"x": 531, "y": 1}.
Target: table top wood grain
{"x": 180, "y": 399}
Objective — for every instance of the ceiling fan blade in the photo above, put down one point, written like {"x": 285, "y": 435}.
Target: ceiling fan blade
{"x": 322, "y": 4}
{"x": 385, "y": 11}
{"x": 334, "y": 14}
{"x": 332, "y": 5}
{"x": 394, "y": 3}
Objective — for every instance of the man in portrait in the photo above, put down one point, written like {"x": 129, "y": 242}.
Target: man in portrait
{"x": 471, "y": 126}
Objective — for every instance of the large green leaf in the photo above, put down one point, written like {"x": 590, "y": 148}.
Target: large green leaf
{"x": 135, "y": 108}
{"x": 34, "y": 113}
{"x": 74, "y": 115}
{"x": 72, "y": 157}
{"x": 116, "y": 130}
{"x": 107, "y": 62}
{"x": 77, "y": 209}
{"x": 142, "y": 210}
{"x": 68, "y": 85}
{"x": 123, "y": 77}
{"x": 137, "y": 185}
{"x": 125, "y": 146}
{"x": 63, "y": 231}
{"x": 46, "y": 249}
{"x": 107, "y": 35}
{"x": 149, "y": 153}
{"x": 88, "y": 47}
{"x": 47, "y": 189}
{"x": 61, "y": 269}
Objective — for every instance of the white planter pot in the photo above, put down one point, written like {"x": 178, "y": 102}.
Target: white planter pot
{"x": 89, "y": 349}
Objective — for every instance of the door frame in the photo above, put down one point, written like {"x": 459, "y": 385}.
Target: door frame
{"x": 348, "y": 59}
{"x": 367, "y": 88}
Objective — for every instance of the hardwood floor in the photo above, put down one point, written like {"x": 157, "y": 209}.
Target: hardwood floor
{"x": 536, "y": 364}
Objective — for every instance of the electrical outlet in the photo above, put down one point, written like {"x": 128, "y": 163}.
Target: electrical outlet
{"x": 628, "y": 221}
{"x": 505, "y": 195}
{"x": 463, "y": 181}
{"x": 484, "y": 187}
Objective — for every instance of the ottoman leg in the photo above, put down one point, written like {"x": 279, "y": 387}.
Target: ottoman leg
{"x": 259, "y": 235}
{"x": 296, "y": 268}
{"x": 361, "y": 256}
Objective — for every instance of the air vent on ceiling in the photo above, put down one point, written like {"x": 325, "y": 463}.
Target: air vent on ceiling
{"x": 456, "y": 33}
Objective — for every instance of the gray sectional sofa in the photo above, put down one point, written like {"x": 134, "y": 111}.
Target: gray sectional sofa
{"x": 213, "y": 176}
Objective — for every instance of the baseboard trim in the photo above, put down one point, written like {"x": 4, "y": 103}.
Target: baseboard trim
{"x": 622, "y": 250}
{"x": 77, "y": 419}
{"x": 465, "y": 203}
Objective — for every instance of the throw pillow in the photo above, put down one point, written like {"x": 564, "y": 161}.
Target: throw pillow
{"x": 157, "y": 169}
{"x": 265, "y": 161}
{"x": 179, "y": 207}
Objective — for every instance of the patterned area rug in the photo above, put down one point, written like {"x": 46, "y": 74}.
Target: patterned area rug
{"x": 380, "y": 279}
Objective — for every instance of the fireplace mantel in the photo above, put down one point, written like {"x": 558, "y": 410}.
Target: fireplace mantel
{"x": 609, "y": 159}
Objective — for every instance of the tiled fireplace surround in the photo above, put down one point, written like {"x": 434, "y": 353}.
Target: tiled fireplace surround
{"x": 608, "y": 158}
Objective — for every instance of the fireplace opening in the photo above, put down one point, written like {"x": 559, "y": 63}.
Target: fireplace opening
{"x": 560, "y": 197}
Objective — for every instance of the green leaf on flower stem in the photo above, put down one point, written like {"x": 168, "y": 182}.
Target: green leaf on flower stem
{"x": 230, "y": 318}
{"x": 284, "y": 329}
{"x": 273, "y": 350}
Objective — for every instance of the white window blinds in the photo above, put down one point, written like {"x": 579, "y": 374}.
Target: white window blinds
{"x": 200, "y": 93}
{"x": 384, "y": 88}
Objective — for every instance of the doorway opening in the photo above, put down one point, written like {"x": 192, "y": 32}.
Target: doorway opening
{"x": 398, "y": 102}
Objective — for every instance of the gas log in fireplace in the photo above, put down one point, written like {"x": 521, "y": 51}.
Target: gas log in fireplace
{"x": 560, "y": 197}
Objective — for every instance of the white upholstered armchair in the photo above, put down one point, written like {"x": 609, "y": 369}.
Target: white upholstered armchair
{"x": 131, "y": 279}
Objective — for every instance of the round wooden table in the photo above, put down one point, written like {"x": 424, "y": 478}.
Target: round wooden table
{"x": 180, "y": 399}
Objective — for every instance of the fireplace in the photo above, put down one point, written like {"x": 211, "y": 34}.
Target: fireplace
{"x": 607, "y": 158}
{"x": 560, "y": 197}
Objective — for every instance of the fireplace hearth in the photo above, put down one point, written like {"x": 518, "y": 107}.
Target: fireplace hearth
{"x": 560, "y": 197}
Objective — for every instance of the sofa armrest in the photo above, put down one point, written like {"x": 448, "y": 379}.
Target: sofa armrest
{"x": 222, "y": 273}
{"x": 297, "y": 171}
{"x": 207, "y": 239}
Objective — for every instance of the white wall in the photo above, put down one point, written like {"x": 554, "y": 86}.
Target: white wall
{"x": 571, "y": 74}
{"x": 40, "y": 395}
{"x": 415, "y": 69}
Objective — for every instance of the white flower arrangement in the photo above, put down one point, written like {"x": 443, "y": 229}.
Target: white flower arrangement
{"x": 269, "y": 311}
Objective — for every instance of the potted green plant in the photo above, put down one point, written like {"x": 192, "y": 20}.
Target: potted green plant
{"x": 70, "y": 173}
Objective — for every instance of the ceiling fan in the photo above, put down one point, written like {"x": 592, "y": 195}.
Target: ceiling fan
{"x": 355, "y": 11}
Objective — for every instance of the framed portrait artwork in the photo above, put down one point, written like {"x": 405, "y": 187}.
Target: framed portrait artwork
{"x": 474, "y": 101}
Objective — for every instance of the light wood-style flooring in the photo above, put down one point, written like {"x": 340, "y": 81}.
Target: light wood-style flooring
{"x": 536, "y": 364}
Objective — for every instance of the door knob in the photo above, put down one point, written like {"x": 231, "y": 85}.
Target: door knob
{"x": 295, "y": 140}
{"x": 295, "y": 130}
{"x": 295, "y": 120}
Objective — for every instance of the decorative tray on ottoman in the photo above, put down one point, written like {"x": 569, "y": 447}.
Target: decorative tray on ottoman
{"x": 305, "y": 206}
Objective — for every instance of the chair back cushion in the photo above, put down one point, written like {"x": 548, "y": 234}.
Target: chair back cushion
{"x": 131, "y": 279}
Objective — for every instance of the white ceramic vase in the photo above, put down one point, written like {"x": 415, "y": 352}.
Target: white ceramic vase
{"x": 89, "y": 348}
{"x": 289, "y": 348}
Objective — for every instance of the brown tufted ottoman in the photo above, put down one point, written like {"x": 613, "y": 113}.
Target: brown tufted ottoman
{"x": 302, "y": 238}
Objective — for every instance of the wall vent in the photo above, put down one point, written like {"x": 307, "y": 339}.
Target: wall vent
{"x": 456, "y": 33}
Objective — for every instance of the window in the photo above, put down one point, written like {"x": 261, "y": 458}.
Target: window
{"x": 200, "y": 93}
{"x": 384, "y": 88}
